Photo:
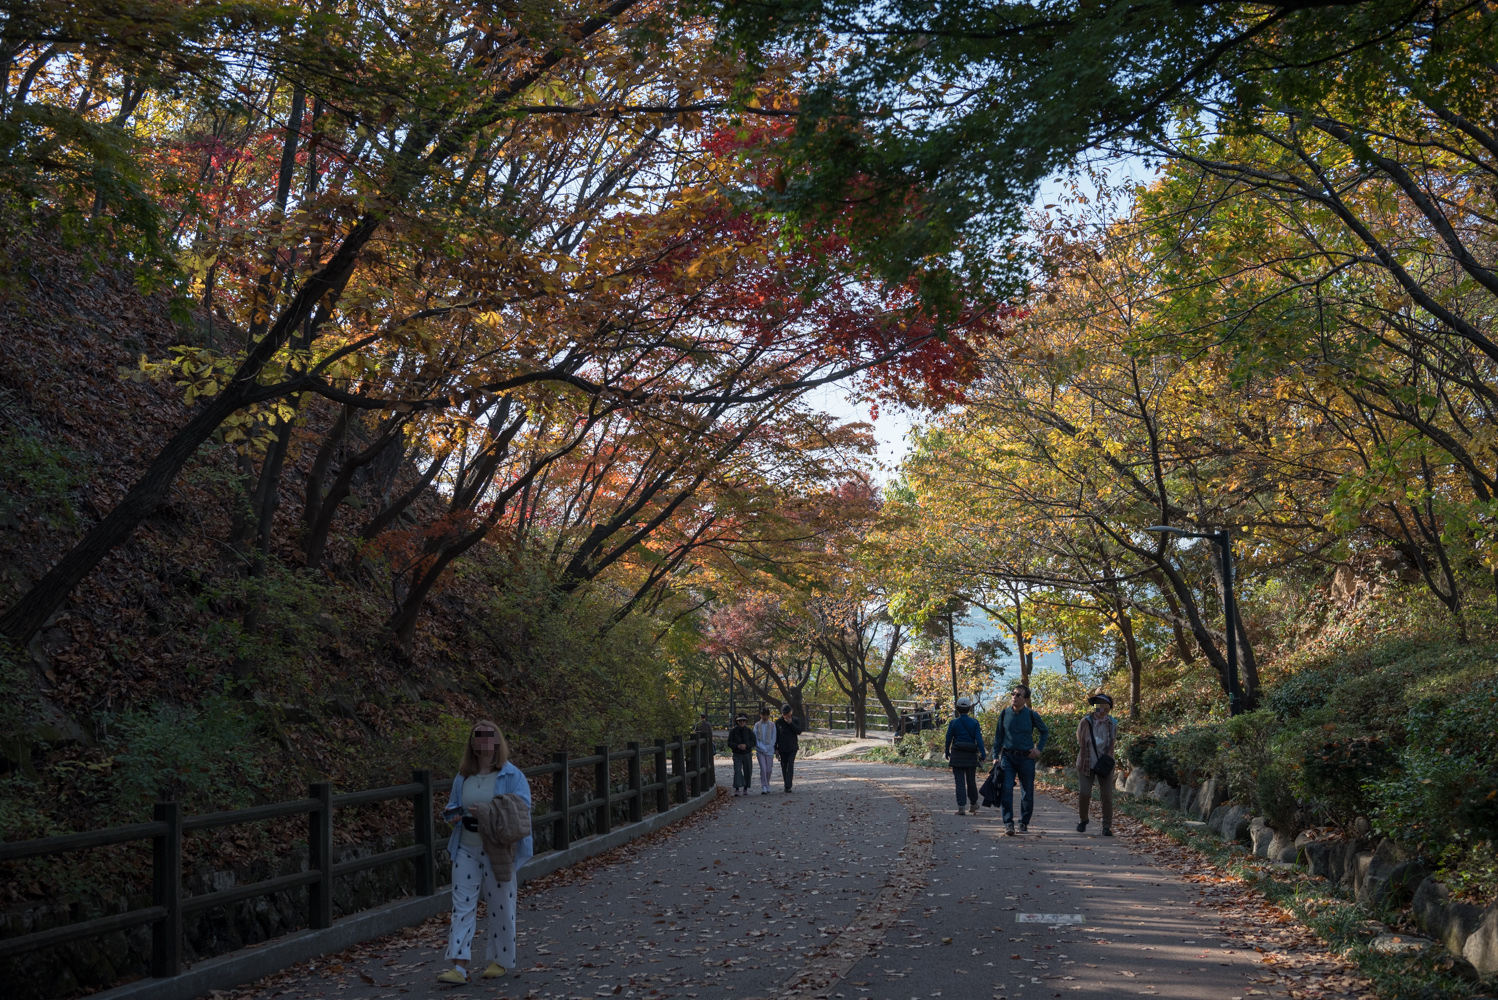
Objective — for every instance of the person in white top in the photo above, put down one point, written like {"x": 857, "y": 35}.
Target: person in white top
{"x": 1096, "y": 736}
{"x": 485, "y": 773}
{"x": 764, "y": 748}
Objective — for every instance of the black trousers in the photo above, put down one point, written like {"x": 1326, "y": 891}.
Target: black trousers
{"x": 787, "y": 768}
{"x": 967, "y": 785}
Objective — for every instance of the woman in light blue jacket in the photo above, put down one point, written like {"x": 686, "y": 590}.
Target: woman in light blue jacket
{"x": 485, "y": 773}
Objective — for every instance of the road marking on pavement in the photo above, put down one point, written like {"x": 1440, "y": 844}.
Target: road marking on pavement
{"x": 825, "y": 970}
{"x": 1049, "y": 918}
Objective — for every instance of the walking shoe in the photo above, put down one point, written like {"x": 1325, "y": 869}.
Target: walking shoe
{"x": 494, "y": 971}
{"x": 1107, "y": 832}
{"x": 1008, "y": 829}
{"x": 962, "y": 810}
{"x": 1024, "y": 828}
{"x": 1082, "y": 827}
{"x": 454, "y": 975}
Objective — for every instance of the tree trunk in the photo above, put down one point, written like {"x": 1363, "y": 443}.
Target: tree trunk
{"x": 312, "y": 496}
{"x": 327, "y": 505}
{"x": 1183, "y": 648}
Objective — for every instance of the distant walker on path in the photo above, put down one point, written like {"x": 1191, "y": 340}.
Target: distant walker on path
{"x": 965, "y": 750}
{"x": 1095, "y": 738}
{"x": 764, "y": 748}
{"x": 741, "y": 744}
{"x": 788, "y": 730}
{"x": 1015, "y": 752}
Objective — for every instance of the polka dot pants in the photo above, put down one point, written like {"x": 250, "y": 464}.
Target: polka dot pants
{"x": 471, "y": 876}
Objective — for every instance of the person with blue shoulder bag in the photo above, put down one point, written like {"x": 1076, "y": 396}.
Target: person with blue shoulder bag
{"x": 965, "y": 750}
{"x": 1016, "y": 750}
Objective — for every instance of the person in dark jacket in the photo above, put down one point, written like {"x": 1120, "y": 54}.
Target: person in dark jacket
{"x": 788, "y": 730}
{"x": 965, "y": 750}
{"x": 1016, "y": 750}
{"x": 741, "y": 745}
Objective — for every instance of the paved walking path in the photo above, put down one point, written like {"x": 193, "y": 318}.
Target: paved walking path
{"x": 861, "y": 883}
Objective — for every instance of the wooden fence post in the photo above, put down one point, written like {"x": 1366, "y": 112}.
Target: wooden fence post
{"x": 679, "y": 765}
{"x": 426, "y": 865}
{"x": 320, "y": 856}
{"x": 663, "y": 786}
{"x": 166, "y": 891}
{"x": 601, "y": 788}
{"x": 636, "y": 784}
{"x": 694, "y": 766}
{"x": 561, "y": 837}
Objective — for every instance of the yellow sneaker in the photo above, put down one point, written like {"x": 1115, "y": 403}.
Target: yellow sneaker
{"x": 454, "y": 975}
{"x": 494, "y": 971}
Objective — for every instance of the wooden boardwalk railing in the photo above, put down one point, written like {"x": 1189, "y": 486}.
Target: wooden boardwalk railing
{"x": 165, "y": 831}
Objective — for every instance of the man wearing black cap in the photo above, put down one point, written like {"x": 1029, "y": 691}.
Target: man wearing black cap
{"x": 741, "y": 745}
{"x": 788, "y": 730}
{"x": 1095, "y": 738}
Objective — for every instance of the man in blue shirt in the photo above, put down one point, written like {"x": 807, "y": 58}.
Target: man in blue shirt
{"x": 1016, "y": 750}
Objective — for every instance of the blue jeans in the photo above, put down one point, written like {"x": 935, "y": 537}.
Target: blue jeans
{"x": 1011, "y": 765}
{"x": 967, "y": 785}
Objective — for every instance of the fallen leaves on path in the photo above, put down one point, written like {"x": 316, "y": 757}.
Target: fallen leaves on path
{"x": 1296, "y": 959}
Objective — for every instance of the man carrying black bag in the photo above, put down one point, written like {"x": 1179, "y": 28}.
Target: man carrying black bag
{"x": 1095, "y": 739}
{"x": 964, "y": 748}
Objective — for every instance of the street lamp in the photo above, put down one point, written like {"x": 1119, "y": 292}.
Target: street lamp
{"x": 952, "y": 654}
{"x": 1229, "y": 606}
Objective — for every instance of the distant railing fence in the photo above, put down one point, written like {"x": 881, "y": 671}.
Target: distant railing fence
{"x": 681, "y": 768}
{"x": 830, "y": 715}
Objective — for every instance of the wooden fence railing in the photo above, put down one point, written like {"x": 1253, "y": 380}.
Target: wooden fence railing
{"x": 832, "y": 715}
{"x": 681, "y": 768}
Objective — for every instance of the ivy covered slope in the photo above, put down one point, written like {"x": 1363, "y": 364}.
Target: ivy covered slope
{"x": 184, "y": 666}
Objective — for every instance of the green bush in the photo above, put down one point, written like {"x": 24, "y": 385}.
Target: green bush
{"x": 1475, "y": 807}
{"x": 1193, "y": 752}
{"x": 204, "y": 757}
{"x": 1255, "y": 768}
{"x": 37, "y": 481}
{"x": 1158, "y": 764}
{"x": 1135, "y": 748}
{"x": 1061, "y": 748}
{"x": 1335, "y": 772}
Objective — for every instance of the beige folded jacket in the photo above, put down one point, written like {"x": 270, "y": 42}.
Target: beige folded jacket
{"x": 504, "y": 821}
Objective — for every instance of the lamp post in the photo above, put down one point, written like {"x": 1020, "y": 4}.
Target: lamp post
{"x": 1229, "y": 605}
{"x": 952, "y": 655}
